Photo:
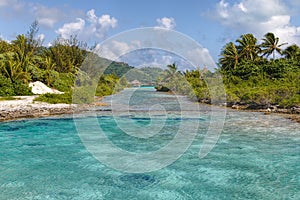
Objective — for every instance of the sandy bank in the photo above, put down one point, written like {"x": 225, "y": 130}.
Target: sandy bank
{"x": 25, "y": 107}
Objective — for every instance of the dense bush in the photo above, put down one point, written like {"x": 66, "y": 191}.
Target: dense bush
{"x": 55, "y": 98}
{"x": 6, "y": 87}
{"x": 63, "y": 81}
{"x": 21, "y": 89}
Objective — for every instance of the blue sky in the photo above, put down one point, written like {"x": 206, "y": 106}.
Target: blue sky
{"x": 212, "y": 23}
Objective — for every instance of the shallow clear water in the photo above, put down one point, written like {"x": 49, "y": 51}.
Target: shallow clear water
{"x": 256, "y": 157}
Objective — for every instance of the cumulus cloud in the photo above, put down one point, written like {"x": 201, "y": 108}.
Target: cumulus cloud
{"x": 13, "y": 4}
{"x": 4, "y": 3}
{"x": 295, "y": 2}
{"x": 90, "y": 26}
{"x": 165, "y": 22}
{"x": 115, "y": 49}
{"x": 259, "y": 18}
{"x": 41, "y": 37}
{"x": 47, "y": 16}
{"x": 10, "y": 9}
{"x": 4, "y": 39}
{"x": 202, "y": 57}
{"x": 72, "y": 28}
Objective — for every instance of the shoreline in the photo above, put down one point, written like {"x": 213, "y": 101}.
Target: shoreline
{"x": 292, "y": 114}
{"x": 24, "y": 107}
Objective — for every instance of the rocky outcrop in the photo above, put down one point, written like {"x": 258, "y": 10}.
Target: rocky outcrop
{"x": 26, "y": 107}
{"x": 34, "y": 111}
{"x": 40, "y": 88}
{"x": 265, "y": 108}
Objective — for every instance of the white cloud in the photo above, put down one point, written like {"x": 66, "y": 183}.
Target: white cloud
{"x": 165, "y": 22}
{"x": 115, "y": 49}
{"x": 47, "y": 16}
{"x": 13, "y": 4}
{"x": 202, "y": 57}
{"x": 4, "y": 3}
{"x": 41, "y": 37}
{"x": 89, "y": 27}
{"x": 106, "y": 21}
{"x": 4, "y": 39}
{"x": 92, "y": 18}
{"x": 72, "y": 28}
{"x": 258, "y": 17}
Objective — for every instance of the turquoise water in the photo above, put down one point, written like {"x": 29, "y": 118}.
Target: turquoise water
{"x": 256, "y": 157}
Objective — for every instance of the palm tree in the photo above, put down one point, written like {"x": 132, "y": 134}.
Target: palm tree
{"x": 49, "y": 70}
{"x": 167, "y": 81}
{"x": 230, "y": 56}
{"x": 24, "y": 53}
{"x": 270, "y": 45}
{"x": 12, "y": 69}
{"x": 292, "y": 52}
{"x": 172, "y": 70}
{"x": 169, "y": 74}
{"x": 4, "y": 46}
{"x": 248, "y": 48}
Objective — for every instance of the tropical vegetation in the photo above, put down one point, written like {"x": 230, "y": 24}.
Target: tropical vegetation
{"x": 250, "y": 76}
{"x": 25, "y": 60}
{"x": 256, "y": 72}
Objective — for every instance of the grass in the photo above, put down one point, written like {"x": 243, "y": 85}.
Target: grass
{"x": 8, "y": 98}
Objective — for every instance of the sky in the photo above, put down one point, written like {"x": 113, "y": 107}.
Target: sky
{"x": 211, "y": 23}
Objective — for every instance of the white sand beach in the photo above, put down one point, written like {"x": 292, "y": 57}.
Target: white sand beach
{"x": 24, "y": 107}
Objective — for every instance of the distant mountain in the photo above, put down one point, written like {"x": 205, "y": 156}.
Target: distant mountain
{"x": 118, "y": 68}
{"x": 146, "y": 75}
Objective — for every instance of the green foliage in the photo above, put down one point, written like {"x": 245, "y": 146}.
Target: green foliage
{"x": 292, "y": 52}
{"x": 152, "y": 72}
{"x": 247, "y": 47}
{"x": 121, "y": 84}
{"x": 36, "y": 73}
{"x": 55, "y": 98}
{"x": 257, "y": 80}
{"x": 174, "y": 81}
{"x": 270, "y": 45}
{"x": 66, "y": 54}
{"x": 9, "y": 88}
{"x": 109, "y": 84}
{"x": 196, "y": 81}
{"x": 83, "y": 95}
{"x": 230, "y": 56}
{"x": 62, "y": 81}
{"x": 21, "y": 89}
{"x": 265, "y": 89}
{"x": 8, "y": 98}
{"x": 6, "y": 86}
{"x": 117, "y": 68}
{"x": 5, "y": 47}
{"x": 249, "y": 75}
{"x": 66, "y": 66}
{"x": 137, "y": 74}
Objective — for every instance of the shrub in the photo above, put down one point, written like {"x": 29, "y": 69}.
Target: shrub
{"x": 55, "y": 98}
{"x": 6, "y": 86}
{"x": 83, "y": 95}
{"x": 21, "y": 89}
{"x": 64, "y": 82}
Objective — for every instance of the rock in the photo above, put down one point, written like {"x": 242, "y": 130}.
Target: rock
{"x": 239, "y": 107}
{"x": 295, "y": 110}
{"x": 40, "y": 88}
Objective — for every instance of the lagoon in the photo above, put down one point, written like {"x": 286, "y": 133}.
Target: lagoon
{"x": 256, "y": 156}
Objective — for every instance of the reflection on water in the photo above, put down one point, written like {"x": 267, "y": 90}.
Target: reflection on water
{"x": 256, "y": 157}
